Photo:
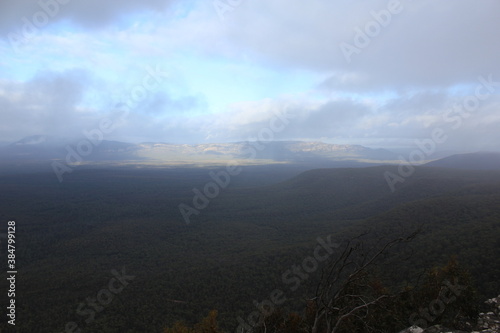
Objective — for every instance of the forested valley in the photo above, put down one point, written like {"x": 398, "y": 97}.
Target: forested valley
{"x": 107, "y": 250}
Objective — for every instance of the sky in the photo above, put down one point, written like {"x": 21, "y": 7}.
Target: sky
{"x": 377, "y": 73}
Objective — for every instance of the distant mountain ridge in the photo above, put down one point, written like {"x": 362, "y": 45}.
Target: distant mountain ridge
{"x": 34, "y": 139}
{"x": 41, "y": 147}
{"x": 471, "y": 161}
{"x": 275, "y": 150}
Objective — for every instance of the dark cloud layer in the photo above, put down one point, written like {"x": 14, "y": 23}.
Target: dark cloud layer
{"x": 86, "y": 13}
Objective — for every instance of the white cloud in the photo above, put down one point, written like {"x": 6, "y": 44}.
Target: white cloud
{"x": 427, "y": 44}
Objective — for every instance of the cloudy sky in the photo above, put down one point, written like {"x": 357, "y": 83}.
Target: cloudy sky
{"x": 377, "y": 73}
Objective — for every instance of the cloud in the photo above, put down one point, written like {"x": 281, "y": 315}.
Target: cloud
{"x": 426, "y": 44}
{"x": 91, "y": 14}
{"x": 227, "y": 79}
{"x": 54, "y": 103}
{"x": 64, "y": 104}
{"x": 305, "y": 119}
{"x": 161, "y": 104}
{"x": 47, "y": 104}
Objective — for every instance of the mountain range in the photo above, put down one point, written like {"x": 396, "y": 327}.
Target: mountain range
{"x": 42, "y": 148}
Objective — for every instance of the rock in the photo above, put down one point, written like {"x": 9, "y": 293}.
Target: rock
{"x": 432, "y": 329}
{"x": 440, "y": 329}
{"x": 413, "y": 329}
{"x": 488, "y": 322}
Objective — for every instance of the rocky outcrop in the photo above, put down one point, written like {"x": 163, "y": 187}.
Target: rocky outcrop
{"x": 488, "y": 322}
{"x": 413, "y": 329}
{"x": 432, "y": 329}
